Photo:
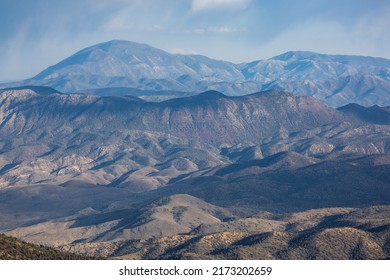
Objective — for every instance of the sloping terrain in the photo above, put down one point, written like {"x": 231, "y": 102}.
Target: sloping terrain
{"x": 127, "y": 142}
{"x": 334, "y": 79}
{"x": 267, "y": 175}
{"x": 108, "y": 140}
{"x": 332, "y": 233}
{"x": 374, "y": 114}
{"x": 126, "y": 68}
{"x": 14, "y": 249}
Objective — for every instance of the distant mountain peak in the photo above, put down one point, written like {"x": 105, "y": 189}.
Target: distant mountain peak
{"x": 334, "y": 79}
{"x": 295, "y": 55}
{"x": 212, "y": 94}
{"x": 37, "y": 89}
{"x": 121, "y": 45}
{"x": 291, "y": 56}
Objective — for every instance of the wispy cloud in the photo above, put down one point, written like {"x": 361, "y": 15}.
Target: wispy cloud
{"x": 203, "y": 5}
{"x": 225, "y": 29}
{"x": 118, "y": 24}
{"x": 217, "y": 29}
{"x": 367, "y": 36}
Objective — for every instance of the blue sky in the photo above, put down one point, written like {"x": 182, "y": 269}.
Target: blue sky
{"x": 35, "y": 34}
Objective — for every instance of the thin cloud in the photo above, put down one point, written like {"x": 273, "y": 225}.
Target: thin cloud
{"x": 204, "y": 5}
{"x": 217, "y": 29}
{"x": 122, "y": 25}
{"x": 224, "y": 29}
{"x": 360, "y": 39}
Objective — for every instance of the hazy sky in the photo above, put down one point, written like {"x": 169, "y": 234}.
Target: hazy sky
{"x": 35, "y": 34}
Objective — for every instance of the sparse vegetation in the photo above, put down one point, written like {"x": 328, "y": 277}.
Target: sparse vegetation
{"x": 208, "y": 176}
{"x": 316, "y": 234}
{"x": 12, "y": 248}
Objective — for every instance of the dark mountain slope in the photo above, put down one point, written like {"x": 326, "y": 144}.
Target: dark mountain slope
{"x": 207, "y": 118}
{"x": 374, "y": 114}
{"x": 14, "y": 249}
{"x": 335, "y": 183}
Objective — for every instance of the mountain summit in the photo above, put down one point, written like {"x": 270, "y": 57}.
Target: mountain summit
{"x": 128, "y": 64}
{"x": 334, "y": 79}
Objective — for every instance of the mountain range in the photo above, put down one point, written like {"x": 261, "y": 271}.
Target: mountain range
{"x": 126, "y": 151}
{"x": 211, "y": 176}
{"x": 128, "y": 68}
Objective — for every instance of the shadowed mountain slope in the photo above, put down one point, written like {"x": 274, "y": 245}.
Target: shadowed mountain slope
{"x": 374, "y": 114}
{"x": 210, "y": 117}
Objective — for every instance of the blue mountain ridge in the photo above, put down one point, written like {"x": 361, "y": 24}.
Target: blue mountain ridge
{"x": 336, "y": 80}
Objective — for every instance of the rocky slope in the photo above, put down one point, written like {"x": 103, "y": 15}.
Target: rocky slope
{"x": 195, "y": 177}
{"x": 14, "y": 249}
{"x": 325, "y": 234}
{"x": 49, "y": 137}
